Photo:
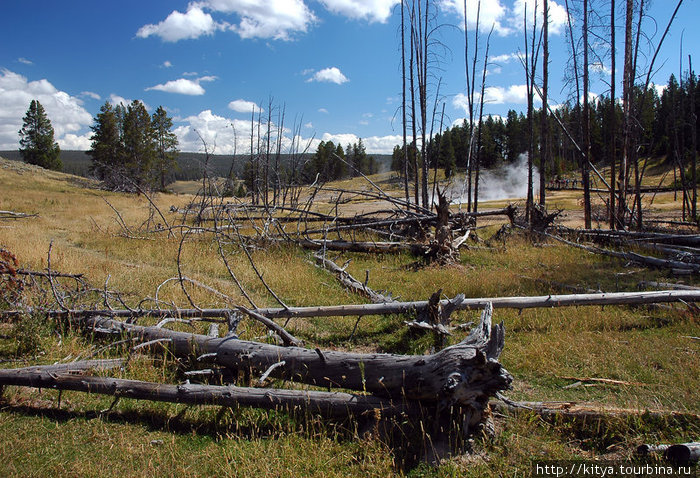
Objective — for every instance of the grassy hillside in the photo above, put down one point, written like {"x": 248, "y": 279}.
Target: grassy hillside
{"x": 649, "y": 350}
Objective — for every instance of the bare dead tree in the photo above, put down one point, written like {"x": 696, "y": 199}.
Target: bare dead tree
{"x": 585, "y": 171}
{"x": 545, "y": 135}
{"x": 613, "y": 120}
{"x": 403, "y": 101}
{"x": 481, "y": 122}
{"x": 470, "y": 76}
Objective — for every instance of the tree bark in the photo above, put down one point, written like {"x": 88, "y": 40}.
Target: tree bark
{"x": 327, "y": 404}
{"x": 466, "y": 374}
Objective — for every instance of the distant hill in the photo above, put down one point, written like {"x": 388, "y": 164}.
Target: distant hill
{"x": 190, "y": 165}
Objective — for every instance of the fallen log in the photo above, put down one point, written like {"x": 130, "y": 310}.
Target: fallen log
{"x": 631, "y": 256}
{"x": 666, "y": 285}
{"x": 15, "y": 215}
{"x": 552, "y": 300}
{"x": 464, "y": 375}
{"x": 576, "y": 410}
{"x": 326, "y": 404}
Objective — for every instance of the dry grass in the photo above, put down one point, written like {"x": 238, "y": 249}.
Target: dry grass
{"x": 543, "y": 346}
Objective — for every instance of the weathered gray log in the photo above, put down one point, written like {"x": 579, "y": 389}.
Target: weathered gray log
{"x": 692, "y": 240}
{"x": 666, "y": 285}
{"x": 576, "y": 410}
{"x": 630, "y": 256}
{"x": 354, "y": 285}
{"x": 526, "y": 302}
{"x": 466, "y": 374}
{"x": 327, "y": 404}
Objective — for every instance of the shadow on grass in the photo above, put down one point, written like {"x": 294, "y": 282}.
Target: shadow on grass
{"x": 405, "y": 439}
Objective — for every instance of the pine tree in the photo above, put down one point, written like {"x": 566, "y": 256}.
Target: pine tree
{"x": 166, "y": 144}
{"x": 37, "y": 145}
{"x": 139, "y": 147}
{"x": 106, "y": 151}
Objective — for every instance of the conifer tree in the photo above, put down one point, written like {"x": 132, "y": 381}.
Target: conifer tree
{"x": 165, "y": 143}
{"x": 106, "y": 150}
{"x": 37, "y": 145}
{"x": 137, "y": 138}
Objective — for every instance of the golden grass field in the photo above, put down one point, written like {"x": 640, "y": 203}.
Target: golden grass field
{"x": 649, "y": 348}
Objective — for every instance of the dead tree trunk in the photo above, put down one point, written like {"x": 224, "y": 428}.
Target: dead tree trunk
{"x": 327, "y": 404}
{"x": 466, "y": 374}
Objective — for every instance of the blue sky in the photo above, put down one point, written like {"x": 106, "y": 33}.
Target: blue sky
{"x": 333, "y": 64}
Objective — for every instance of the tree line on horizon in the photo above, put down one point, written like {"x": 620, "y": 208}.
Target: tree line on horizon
{"x": 667, "y": 120}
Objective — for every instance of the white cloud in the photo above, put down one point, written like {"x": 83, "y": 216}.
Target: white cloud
{"x": 505, "y": 20}
{"x": 183, "y": 86}
{"x": 243, "y": 106}
{"x": 309, "y": 125}
{"x": 371, "y": 10}
{"x": 499, "y": 95}
{"x": 505, "y": 58}
{"x": 659, "y": 88}
{"x": 276, "y": 19}
{"x": 323, "y": 110}
{"x": 329, "y": 75}
{"x": 216, "y": 131}
{"x": 373, "y": 144}
{"x": 599, "y": 67}
{"x": 117, "y": 100}
{"x": 91, "y": 94}
{"x": 182, "y": 26}
{"x": 219, "y": 135}
{"x": 557, "y": 15}
{"x": 25, "y": 61}
{"x": 167, "y": 64}
{"x": 66, "y": 112}
{"x": 76, "y": 142}
{"x": 492, "y": 13}
{"x": 190, "y": 73}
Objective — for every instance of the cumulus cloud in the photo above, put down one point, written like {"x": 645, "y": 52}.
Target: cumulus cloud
{"x": 218, "y": 132}
{"x": 371, "y": 10}
{"x": 75, "y": 142}
{"x": 505, "y": 58}
{"x": 120, "y": 100}
{"x": 91, "y": 94}
{"x": 323, "y": 110}
{"x": 182, "y": 26}
{"x": 497, "y": 95}
{"x": 25, "y": 61}
{"x": 329, "y": 75}
{"x": 66, "y": 112}
{"x": 183, "y": 86}
{"x": 491, "y": 13}
{"x": 243, "y": 106}
{"x": 557, "y": 15}
{"x": 275, "y": 19}
{"x": 373, "y": 144}
{"x": 167, "y": 64}
{"x": 505, "y": 20}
